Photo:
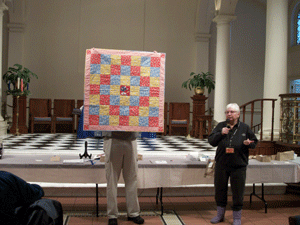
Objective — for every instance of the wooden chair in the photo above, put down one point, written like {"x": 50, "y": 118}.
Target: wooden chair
{"x": 179, "y": 116}
{"x": 40, "y": 113}
{"x": 165, "y": 118}
{"x": 63, "y": 113}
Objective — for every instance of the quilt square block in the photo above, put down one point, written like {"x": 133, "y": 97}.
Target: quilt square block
{"x": 115, "y": 60}
{"x": 144, "y": 91}
{"x": 124, "y": 110}
{"x": 135, "y": 71}
{"x": 145, "y": 71}
{"x": 124, "y": 120}
{"x": 104, "y": 100}
{"x": 135, "y": 81}
{"x": 114, "y": 89}
{"x": 134, "y": 110}
{"x": 126, "y": 60}
{"x": 134, "y": 100}
{"x": 95, "y": 58}
{"x": 95, "y": 89}
{"x": 104, "y": 89}
{"x": 105, "y": 79}
{"x": 95, "y": 69}
{"x": 154, "y": 91}
{"x": 114, "y": 110}
{"x": 104, "y": 110}
{"x": 115, "y": 80}
{"x": 145, "y": 61}
{"x": 114, "y": 100}
{"x": 94, "y": 99}
{"x": 115, "y": 69}
{"x": 124, "y": 90}
{"x": 95, "y": 79}
{"x": 135, "y": 90}
{"x": 105, "y": 59}
{"x": 136, "y": 60}
{"x": 125, "y": 70}
{"x": 145, "y": 81}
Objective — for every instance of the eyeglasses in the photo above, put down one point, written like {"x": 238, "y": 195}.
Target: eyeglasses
{"x": 231, "y": 112}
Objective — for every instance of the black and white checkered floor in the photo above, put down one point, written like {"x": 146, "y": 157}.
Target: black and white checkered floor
{"x": 61, "y": 143}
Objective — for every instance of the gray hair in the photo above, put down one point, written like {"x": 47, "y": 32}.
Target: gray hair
{"x": 234, "y": 106}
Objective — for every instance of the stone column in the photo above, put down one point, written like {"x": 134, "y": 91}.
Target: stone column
{"x": 202, "y": 44}
{"x": 202, "y": 41}
{"x": 16, "y": 29}
{"x": 3, "y": 124}
{"x": 275, "y": 77}
{"x": 222, "y": 89}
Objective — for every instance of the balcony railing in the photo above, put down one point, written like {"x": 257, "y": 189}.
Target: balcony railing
{"x": 259, "y": 125}
{"x": 290, "y": 118}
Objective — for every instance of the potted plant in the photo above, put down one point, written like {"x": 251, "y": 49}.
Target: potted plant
{"x": 200, "y": 81}
{"x": 17, "y": 79}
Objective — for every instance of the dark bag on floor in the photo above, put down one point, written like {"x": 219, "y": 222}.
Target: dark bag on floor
{"x": 294, "y": 220}
{"x": 42, "y": 212}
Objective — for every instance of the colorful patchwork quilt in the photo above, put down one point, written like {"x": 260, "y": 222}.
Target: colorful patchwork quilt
{"x": 124, "y": 90}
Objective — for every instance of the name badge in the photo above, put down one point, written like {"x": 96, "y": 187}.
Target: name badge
{"x": 229, "y": 150}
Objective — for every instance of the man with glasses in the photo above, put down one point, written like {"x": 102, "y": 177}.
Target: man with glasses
{"x": 233, "y": 138}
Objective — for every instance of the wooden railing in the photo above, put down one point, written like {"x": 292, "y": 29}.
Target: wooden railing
{"x": 258, "y": 126}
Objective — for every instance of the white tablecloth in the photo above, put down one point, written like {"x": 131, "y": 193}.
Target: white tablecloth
{"x": 153, "y": 171}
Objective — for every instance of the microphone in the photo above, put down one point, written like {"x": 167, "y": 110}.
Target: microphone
{"x": 228, "y": 126}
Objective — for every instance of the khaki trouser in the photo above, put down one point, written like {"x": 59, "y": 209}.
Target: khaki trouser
{"x": 121, "y": 154}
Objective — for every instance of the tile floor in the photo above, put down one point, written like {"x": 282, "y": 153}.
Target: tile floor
{"x": 191, "y": 210}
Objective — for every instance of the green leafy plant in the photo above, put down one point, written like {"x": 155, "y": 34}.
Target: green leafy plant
{"x": 11, "y": 79}
{"x": 201, "y": 80}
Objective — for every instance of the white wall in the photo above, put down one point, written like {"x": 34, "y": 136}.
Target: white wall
{"x": 57, "y": 33}
{"x": 294, "y": 62}
{"x": 248, "y": 52}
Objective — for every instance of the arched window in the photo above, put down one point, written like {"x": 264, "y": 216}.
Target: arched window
{"x": 295, "y": 86}
{"x": 295, "y": 24}
{"x": 298, "y": 27}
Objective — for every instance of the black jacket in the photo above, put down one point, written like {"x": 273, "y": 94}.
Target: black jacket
{"x": 15, "y": 192}
{"x": 238, "y": 133}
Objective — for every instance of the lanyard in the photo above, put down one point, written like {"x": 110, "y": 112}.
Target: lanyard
{"x": 230, "y": 140}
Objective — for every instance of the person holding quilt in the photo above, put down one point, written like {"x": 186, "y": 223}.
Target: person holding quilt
{"x": 233, "y": 138}
{"x": 121, "y": 155}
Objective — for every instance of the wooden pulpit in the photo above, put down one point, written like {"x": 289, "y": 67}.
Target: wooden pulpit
{"x": 19, "y": 111}
{"x": 198, "y": 110}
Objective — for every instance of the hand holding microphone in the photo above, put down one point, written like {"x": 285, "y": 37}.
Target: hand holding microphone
{"x": 225, "y": 130}
{"x": 228, "y": 126}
